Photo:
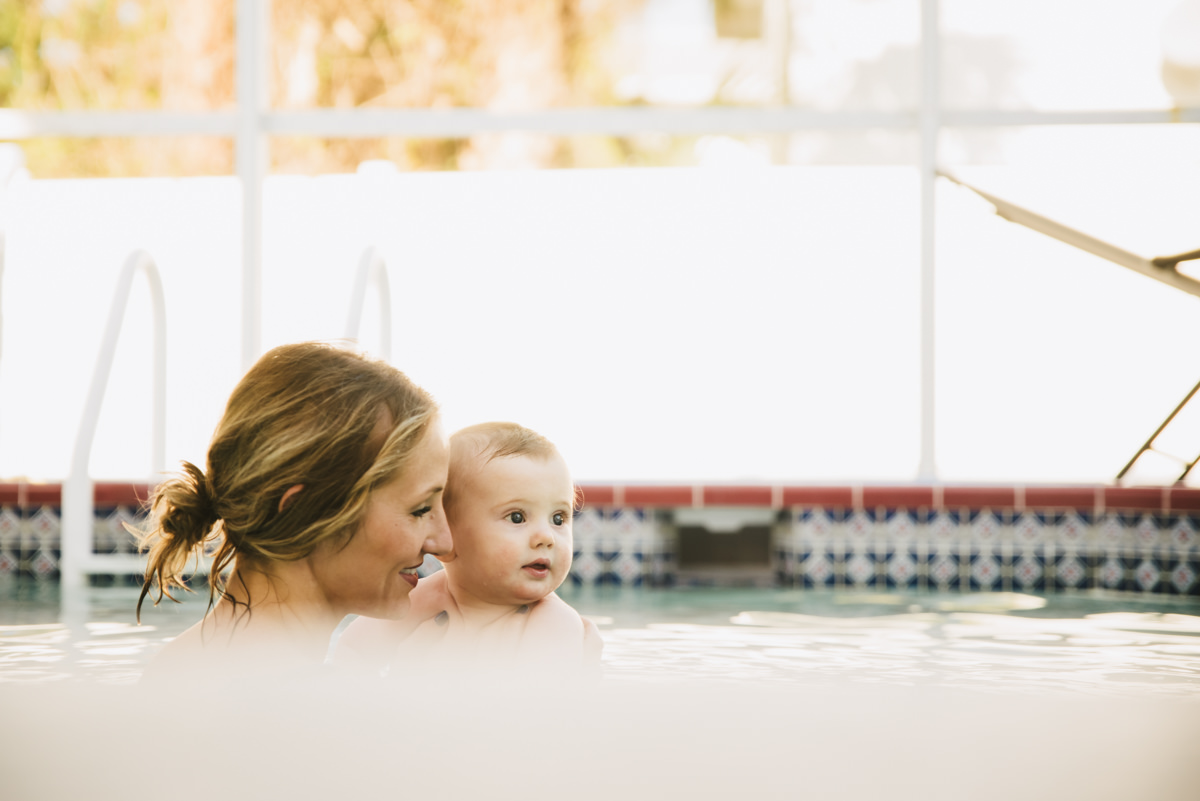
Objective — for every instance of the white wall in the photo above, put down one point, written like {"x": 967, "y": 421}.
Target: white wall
{"x": 716, "y": 324}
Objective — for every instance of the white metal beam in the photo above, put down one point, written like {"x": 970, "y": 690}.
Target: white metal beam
{"x": 29, "y": 124}
{"x": 930, "y": 122}
{"x": 611, "y": 121}
{"x": 454, "y": 123}
{"x": 253, "y": 18}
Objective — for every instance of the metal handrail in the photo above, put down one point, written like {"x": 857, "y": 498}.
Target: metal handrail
{"x": 371, "y": 269}
{"x": 1148, "y": 446}
{"x": 9, "y": 171}
{"x": 1162, "y": 268}
{"x": 78, "y": 501}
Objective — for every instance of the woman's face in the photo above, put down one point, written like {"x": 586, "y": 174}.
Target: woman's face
{"x": 376, "y": 570}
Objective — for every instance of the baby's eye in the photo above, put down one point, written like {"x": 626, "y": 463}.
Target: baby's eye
{"x": 516, "y": 517}
{"x": 559, "y": 518}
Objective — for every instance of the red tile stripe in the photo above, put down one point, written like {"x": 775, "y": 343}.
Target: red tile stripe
{"x": 1183, "y": 499}
{"x": 897, "y": 497}
{"x": 979, "y": 498}
{"x": 1095, "y": 498}
{"x": 1146, "y": 499}
{"x": 737, "y": 496}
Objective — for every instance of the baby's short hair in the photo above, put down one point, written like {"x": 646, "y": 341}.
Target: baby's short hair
{"x": 475, "y": 446}
{"x": 489, "y": 441}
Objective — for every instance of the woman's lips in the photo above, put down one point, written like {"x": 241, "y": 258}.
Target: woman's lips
{"x": 410, "y": 575}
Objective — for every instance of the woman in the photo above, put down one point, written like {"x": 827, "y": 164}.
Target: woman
{"x": 321, "y": 497}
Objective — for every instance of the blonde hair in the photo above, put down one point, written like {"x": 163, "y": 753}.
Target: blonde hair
{"x": 475, "y": 446}
{"x": 308, "y": 414}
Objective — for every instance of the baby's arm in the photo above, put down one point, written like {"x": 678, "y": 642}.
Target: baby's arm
{"x": 555, "y": 632}
{"x": 370, "y": 643}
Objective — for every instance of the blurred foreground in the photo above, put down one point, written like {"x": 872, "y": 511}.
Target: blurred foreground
{"x": 469, "y": 739}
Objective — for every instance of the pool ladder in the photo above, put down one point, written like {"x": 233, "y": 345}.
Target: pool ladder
{"x": 78, "y": 498}
{"x": 1149, "y": 446}
{"x": 1163, "y": 268}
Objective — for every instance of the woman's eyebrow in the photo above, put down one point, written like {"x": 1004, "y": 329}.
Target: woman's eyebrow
{"x": 431, "y": 492}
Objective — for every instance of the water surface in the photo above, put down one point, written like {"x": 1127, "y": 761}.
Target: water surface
{"x": 1082, "y": 643}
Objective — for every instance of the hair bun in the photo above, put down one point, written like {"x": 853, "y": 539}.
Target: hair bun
{"x": 192, "y": 510}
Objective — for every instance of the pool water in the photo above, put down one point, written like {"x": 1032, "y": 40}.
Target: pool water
{"x": 1081, "y": 643}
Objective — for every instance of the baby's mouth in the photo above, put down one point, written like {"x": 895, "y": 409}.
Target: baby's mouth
{"x": 538, "y": 567}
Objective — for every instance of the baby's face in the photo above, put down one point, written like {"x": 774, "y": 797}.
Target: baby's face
{"x": 512, "y": 529}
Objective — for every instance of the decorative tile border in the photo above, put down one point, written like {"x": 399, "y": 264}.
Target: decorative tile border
{"x": 1142, "y": 540}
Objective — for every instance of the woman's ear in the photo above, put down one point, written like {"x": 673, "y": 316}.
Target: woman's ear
{"x": 287, "y": 496}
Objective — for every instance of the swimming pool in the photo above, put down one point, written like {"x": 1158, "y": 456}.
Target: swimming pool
{"x": 708, "y": 693}
{"x": 1088, "y": 643}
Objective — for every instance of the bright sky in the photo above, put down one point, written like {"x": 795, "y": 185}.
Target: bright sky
{"x": 740, "y": 323}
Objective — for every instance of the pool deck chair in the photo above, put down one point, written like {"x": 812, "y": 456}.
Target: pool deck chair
{"x": 1162, "y": 268}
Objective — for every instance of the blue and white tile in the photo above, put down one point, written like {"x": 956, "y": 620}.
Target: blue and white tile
{"x": 859, "y": 527}
{"x": 1029, "y": 530}
{"x": 1147, "y": 574}
{"x": 986, "y": 528}
{"x": 1070, "y": 572}
{"x": 901, "y": 526}
{"x": 1146, "y": 533}
{"x": 1074, "y": 531}
{"x": 942, "y": 529}
{"x": 986, "y": 573}
{"x": 816, "y": 526}
{"x": 1183, "y": 535}
{"x": 44, "y": 528}
{"x": 588, "y": 525}
{"x": 629, "y": 568}
{"x": 44, "y": 565}
{"x": 10, "y": 528}
{"x": 1184, "y": 578}
{"x": 860, "y": 570}
{"x": 901, "y": 568}
{"x": 818, "y": 569}
{"x": 1029, "y": 572}
{"x": 1110, "y": 573}
{"x": 586, "y": 568}
{"x": 942, "y": 571}
{"x": 1112, "y": 532}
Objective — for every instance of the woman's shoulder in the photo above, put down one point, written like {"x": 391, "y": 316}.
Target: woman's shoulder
{"x": 194, "y": 652}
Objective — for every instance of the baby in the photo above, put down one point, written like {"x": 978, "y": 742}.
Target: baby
{"x": 509, "y": 502}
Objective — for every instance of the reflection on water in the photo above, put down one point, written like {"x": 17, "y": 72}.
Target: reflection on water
{"x": 1000, "y": 641}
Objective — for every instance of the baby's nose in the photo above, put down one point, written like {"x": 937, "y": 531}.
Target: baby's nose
{"x": 440, "y": 540}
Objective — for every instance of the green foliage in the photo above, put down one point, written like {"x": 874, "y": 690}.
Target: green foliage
{"x": 82, "y": 54}
{"x": 179, "y": 55}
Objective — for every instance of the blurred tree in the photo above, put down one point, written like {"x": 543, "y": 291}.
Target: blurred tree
{"x": 119, "y": 55}
{"x": 513, "y": 55}
{"x": 180, "y": 55}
